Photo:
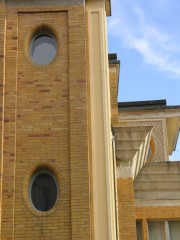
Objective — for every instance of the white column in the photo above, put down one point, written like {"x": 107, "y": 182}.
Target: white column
{"x": 100, "y": 118}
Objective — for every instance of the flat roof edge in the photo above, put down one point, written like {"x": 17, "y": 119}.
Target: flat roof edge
{"x": 112, "y": 57}
{"x": 145, "y": 105}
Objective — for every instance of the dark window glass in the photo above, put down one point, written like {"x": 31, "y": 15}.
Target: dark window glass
{"x": 139, "y": 230}
{"x": 43, "y": 49}
{"x": 43, "y": 192}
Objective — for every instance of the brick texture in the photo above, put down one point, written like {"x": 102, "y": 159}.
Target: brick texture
{"x": 113, "y": 75}
{"x": 126, "y": 209}
{"x": 2, "y": 78}
{"x": 45, "y": 123}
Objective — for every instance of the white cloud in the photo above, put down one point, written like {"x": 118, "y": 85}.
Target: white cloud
{"x": 131, "y": 26}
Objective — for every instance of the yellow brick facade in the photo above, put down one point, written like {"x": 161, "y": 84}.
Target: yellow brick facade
{"x": 126, "y": 209}
{"x": 58, "y": 117}
{"x": 2, "y": 82}
{"x": 45, "y": 122}
{"x": 114, "y": 75}
{"x": 130, "y": 210}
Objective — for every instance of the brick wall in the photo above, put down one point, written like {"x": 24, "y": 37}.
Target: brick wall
{"x": 45, "y": 124}
{"x": 113, "y": 75}
{"x": 126, "y": 209}
{"x": 2, "y": 75}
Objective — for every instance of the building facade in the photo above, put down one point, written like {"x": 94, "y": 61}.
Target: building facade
{"x": 56, "y": 147}
{"x": 72, "y": 160}
{"x": 148, "y": 192}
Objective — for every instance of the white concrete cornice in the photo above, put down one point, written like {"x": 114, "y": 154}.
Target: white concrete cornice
{"x": 132, "y": 144}
{"x": 147, "y": 114}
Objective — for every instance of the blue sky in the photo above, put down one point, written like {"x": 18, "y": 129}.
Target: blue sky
{"x": 146, "y": 36}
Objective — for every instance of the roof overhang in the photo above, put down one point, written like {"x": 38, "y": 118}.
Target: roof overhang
{"x": 153, "y": 110}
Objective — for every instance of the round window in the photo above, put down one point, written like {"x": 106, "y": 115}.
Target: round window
{"x": 43, "y": 191}
{"x": 43, "y": 48}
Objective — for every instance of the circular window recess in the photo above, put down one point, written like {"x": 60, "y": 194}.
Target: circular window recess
{"x": 43, "y": 190}
{"x": 43, "y": 48}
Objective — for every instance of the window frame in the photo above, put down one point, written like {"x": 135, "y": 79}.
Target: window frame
{"x": 36, "y": 36}
{"x": 32, "y": 179}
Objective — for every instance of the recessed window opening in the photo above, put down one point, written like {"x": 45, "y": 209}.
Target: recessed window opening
{"x": 43, "y": 48}
{"x": 43, "y": 190}
{"x": 139, "y": 230}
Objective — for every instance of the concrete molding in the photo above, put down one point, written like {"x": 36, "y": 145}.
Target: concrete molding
{"x": 158, "y": 133}
{"x": 45, "y": 2}
{"x": 124, "y": 172}
{"x": 158, "y": 184}
{"x": 131, "y": 149}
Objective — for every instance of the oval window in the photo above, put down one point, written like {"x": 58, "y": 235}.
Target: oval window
{"x": 43, "y": 191}
{"x": 43, "y": 49}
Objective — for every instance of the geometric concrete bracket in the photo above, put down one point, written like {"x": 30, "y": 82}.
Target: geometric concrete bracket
{"x": 132, "y": 144}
